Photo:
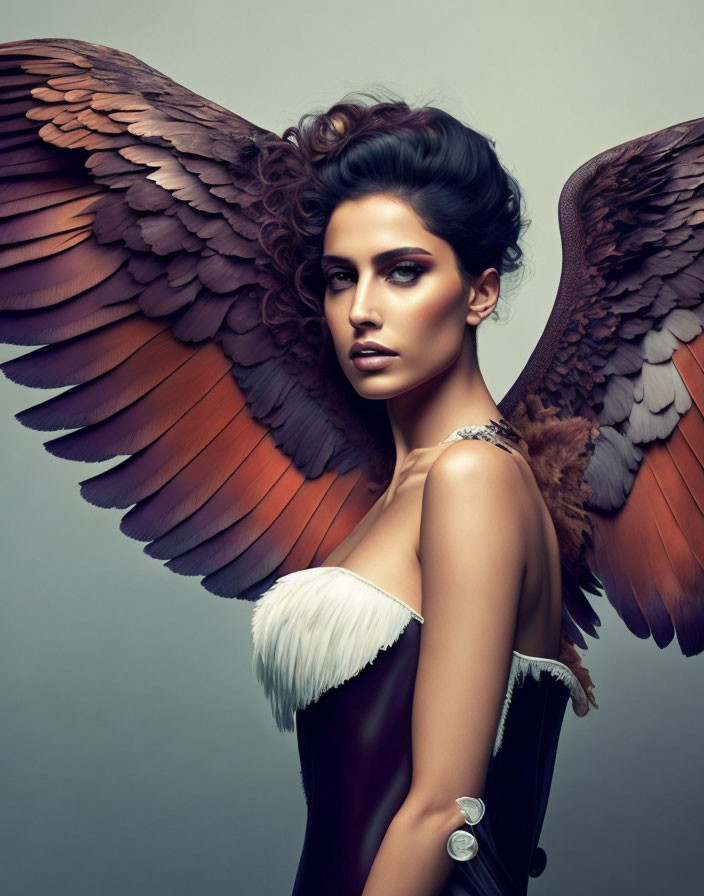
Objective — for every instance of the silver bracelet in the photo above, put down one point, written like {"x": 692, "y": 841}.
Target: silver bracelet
{"x": 462, "y": 845}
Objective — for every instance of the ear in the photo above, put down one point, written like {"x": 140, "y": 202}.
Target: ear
{"x": 483, "y": 296}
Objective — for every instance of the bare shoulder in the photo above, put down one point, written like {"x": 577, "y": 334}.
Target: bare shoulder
{"x": 475, "y": 527}
{"x": 481, "y": 492}
{"x": 472, "y": 466}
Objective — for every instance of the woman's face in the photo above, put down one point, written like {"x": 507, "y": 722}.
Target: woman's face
{"x": 391, "y": 282}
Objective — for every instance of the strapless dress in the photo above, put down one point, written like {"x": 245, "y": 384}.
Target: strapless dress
{"x": 337, "y": 658}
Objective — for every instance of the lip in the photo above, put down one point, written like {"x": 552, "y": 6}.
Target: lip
{"x": 369, "y": 344}
{"x": 372, "y": 362}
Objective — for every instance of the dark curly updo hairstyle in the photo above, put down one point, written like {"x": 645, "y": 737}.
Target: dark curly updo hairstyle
{"x": 448, "y": 173}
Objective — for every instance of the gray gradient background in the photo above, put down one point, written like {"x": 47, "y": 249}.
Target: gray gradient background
{"x": 138, "y": 753}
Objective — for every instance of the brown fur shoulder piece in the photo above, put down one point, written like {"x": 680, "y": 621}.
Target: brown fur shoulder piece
{"x": 558, "y": 452}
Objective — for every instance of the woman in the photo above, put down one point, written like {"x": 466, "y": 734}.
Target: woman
{"x": 422, "y": 220}
{"x": 200, "y": 284}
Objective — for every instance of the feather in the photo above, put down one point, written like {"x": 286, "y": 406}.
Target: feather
{"x": 136, "y": 263}
{"x": 303, "y": 613}
{"x": 292, "y": 636}
{"x": 624, "y": 343}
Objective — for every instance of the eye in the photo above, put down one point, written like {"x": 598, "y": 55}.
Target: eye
{"x": 337, "y": 280}
{"x": 408, "y": 272}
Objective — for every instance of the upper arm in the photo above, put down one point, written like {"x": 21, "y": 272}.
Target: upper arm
{"x": 472, "y": 553}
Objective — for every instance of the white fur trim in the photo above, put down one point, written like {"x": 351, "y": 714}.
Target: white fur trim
{"x": 292, "y": 633}
{"x": 303, "y": 613}
{"x": 522, "y": 665}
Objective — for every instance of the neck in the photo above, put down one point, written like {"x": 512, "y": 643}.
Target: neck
{"x": 429, "y": 413}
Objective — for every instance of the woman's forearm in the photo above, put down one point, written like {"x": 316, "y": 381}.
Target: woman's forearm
{"x": 413, "y": 859}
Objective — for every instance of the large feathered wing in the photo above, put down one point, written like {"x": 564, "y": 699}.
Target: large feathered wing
{"x": 130, "y": 216}
{"x": 613, "y": 395}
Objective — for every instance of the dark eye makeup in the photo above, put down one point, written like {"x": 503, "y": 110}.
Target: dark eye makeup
{"x": 407, "y": 273}
{"x": 410, "y": 271}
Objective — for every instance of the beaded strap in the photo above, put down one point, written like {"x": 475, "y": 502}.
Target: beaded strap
{"x": 487, "y": 432}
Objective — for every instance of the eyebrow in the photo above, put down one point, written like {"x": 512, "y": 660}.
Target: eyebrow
{"x": 382, "y": 256}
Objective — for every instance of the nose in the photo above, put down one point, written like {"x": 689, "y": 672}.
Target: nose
{"x": 364, "y": 306}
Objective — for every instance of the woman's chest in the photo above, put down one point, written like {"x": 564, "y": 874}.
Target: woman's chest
{"x": 318, "y": 628}
{"x": 384, "y": 546}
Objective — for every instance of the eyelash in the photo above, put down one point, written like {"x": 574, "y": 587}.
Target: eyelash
{"x": 416, "y": 269}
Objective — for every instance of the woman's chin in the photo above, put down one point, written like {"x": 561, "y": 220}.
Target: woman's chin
{"x": 372, "y": 388}
{"x": 375, "y": 389}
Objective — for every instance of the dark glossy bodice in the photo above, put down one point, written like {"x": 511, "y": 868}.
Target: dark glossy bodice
{"x": 355, "y": 749}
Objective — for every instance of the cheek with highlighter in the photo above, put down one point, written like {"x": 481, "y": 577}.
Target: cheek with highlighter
{"x": 439, "y": 309}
